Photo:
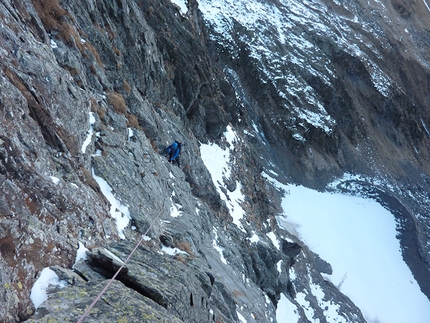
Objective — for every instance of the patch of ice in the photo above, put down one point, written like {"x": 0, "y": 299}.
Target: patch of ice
{"x": 299, "y": 137}
{"x": 267, "y": 298}
{"x": 175, "y": 210}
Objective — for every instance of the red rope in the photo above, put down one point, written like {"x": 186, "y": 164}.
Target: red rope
{"x": 118, "y": 271}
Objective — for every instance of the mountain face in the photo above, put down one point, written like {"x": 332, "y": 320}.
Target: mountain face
{"x": 92, "y": 92}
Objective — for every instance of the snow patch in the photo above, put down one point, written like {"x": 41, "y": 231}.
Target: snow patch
{"x": 55, "y": 180}
{"x": 217, "y": 162}
{"x": 81, "y": 253}
{"x": 130, "y": 133}
{"x": 331, "y": 310}
{"x": 38, "y": 292}
{"x": 175, "y": 209}
{"x": 254, "y": 238}
{"x": 279, "y": 266}
{"x": 53, "y": 44}
{"x": 182, "y": 4}
{"x": 173, "y": 251}
{"x": 306, "y": 306}
{"x": 89, "y": 133}
{"x": 274, "y": 240}
{"x": 241, "y": 317}
{"x": 118, "y": 211}
{"x": 146, "y": 238}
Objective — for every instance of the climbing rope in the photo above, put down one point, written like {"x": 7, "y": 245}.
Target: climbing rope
{"x": 118, "y": 271}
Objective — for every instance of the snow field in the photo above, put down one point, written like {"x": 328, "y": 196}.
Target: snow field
{"x": 357, "y": 237}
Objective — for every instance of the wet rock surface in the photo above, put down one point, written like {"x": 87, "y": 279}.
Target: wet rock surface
{"x": 100, "y": 88}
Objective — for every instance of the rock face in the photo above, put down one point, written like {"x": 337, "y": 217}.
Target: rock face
{"x": 98, "y": 89}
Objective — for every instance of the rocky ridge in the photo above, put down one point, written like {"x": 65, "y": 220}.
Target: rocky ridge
{"x": 132, "y": 76}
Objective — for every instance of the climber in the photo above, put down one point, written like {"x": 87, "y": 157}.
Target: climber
{"x": 174, "y": 150}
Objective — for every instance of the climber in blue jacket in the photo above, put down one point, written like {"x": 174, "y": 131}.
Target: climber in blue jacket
{"x": 174, "y": 150}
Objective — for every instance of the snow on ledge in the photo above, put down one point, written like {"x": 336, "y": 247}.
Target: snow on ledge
{"x": 81, "y": 253}
{"x": 38, "y": 292}
{"x": 173, "y": 251}
{"x": 113, "y": 256}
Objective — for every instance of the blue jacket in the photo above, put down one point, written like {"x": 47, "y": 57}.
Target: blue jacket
{"x": 174, "y": 150}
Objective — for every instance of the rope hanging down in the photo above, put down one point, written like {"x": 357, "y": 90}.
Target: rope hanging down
{"x": 118, "y": 271}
